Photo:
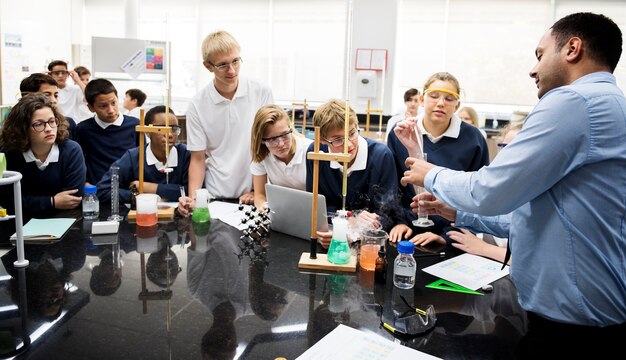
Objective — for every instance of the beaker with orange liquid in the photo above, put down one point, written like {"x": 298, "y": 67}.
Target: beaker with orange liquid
{"x": 147, "y": 209}
{"x": 371, "y": 240}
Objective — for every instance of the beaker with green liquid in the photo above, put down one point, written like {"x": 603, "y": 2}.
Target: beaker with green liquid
{"x": 201, "y": 212}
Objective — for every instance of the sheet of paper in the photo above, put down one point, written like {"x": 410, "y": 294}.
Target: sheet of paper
{"x": 467, "y": 270}
{"x": 363, "y": 59}
{"x": 228, "y": 213}
{"x": 135, "y": 65}
{"x": 53, "y": 228}
{"x": 351, "y": 344}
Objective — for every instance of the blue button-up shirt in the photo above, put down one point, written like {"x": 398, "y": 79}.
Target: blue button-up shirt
{"x": 564, "y": 179}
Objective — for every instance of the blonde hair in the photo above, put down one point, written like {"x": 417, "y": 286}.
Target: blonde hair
{"x": 443, "y": 76}
{"x": 332, "y": 116}
{"x": 512, "y": 126}
{"x": 472, "y": 114}
{"x": 266, "y": 116}
{"x": 219, "y": 42}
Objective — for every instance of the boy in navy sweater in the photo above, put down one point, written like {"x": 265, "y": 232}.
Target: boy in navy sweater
{"x": 105, "y": 137}
{"x": 372, "y": 179}
{"x": 154, "y": 164}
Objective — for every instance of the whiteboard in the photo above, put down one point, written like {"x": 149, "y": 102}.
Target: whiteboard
{"x": 111, "y": 54}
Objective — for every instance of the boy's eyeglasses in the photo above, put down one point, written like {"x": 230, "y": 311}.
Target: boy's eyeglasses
{"x": 275, "y": 140}
{"x": 225, "y": 67}
{"x": 39, "y": 126}
{"x": 59, "y": 73}
{"x": 176, "y": 130}
{"x": 339, "y": 141}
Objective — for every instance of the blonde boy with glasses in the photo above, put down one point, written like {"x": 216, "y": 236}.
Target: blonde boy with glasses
{"x": 219, "y": 122}
{"x": 372, "y": 179}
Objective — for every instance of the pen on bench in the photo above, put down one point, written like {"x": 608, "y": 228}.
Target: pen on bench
{"x": 438, "y": 254}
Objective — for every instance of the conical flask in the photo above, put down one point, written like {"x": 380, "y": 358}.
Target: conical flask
{"x": 339, "y": 251}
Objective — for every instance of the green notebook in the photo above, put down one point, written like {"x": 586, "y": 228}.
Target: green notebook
{"x": 44, "y": 231}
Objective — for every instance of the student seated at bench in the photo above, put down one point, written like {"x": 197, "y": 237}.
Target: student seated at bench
{"x": 105, "y": 137}
{"x": 372, "y": 179}
{"x": 154, "y": 164}
{"x": 34, "y": 138}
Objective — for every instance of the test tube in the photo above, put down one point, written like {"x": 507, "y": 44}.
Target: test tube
{"x": 115, "y": 194}
{"x": 422, "y": 215}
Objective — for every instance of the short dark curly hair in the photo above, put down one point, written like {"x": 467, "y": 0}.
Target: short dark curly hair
{"x": 14, "y": 132}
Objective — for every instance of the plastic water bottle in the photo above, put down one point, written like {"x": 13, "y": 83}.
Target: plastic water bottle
{"x": 91, "y": 205}
{"x": 404, "y": 266}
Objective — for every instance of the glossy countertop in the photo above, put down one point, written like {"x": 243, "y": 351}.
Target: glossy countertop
{"x": 181, "y": 290}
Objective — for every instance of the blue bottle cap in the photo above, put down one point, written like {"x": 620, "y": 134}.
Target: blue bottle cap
{"x": 90, "y": 189}
{"x": 406, "y": 247}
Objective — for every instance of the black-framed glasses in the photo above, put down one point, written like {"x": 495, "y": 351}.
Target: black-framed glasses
{"x": 502, "y": 145}
{"x": 59, "y": 73}
{"x": 339, "y": 141}
{"x": 275, "y": 140}
{"x": 40, "y": 126}
{"x": 225, "y": 67}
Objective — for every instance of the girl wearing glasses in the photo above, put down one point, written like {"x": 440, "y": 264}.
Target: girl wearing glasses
{"x": 162, "y": 175}
{"x": 447, "y": 140}
{"x": 35, "y": 141}
{"x": 278, "y": 153}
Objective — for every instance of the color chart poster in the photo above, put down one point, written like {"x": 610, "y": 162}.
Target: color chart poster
{"x": 154, "y": 57}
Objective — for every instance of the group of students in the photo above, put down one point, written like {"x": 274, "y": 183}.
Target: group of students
{"x": 237, "y": 141}
{"x": 57, "y": 157}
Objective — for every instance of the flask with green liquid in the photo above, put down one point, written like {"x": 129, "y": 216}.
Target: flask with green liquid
{"x": 339, "y": 251}
{"x": 201, "y": 212}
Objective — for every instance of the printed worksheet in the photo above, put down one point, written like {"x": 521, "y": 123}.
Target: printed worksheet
{"x": 467, "y": 270}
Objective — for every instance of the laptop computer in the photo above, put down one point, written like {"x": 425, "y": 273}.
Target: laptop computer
{"x": 290, "y": 211}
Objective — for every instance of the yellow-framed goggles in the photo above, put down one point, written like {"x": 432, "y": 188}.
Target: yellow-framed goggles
{"x": 449, "y": 96}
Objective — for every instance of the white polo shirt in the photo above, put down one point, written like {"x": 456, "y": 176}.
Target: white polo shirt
{"x": 292, "y": 175}
{"x": 72, "y": 103}
{"x": 222, "y": 128}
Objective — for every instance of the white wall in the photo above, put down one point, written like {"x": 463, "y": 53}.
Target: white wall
{"x": 41, "y": 37}
{"x": 374, "y": 26}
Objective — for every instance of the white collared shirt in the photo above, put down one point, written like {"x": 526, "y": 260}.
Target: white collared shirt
{"x": 222, "y": 128}
{"x": 292, "y": 175}
{"x": 53, "y": 156}
{"x": 136, "y": 112}
{"x": 172, "y": 159}
{"x": 72, "y": 103}
{"x": 360, "y": 162}
{"x": 104, "y": 125}
{"x": 453, "y": 130}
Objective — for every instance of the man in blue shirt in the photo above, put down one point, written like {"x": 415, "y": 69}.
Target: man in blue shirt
{"x": 563, "y": 178}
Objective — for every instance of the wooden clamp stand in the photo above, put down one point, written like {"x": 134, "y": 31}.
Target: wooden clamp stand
{"x": 312, "y": 260}
{"x": 166, "y": 213}
{"x": 304, "y": 114}
{"x": 367, "y": 121}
